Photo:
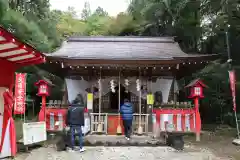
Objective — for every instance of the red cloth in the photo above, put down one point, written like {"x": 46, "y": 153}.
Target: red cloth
{"x": 7, "y": 116}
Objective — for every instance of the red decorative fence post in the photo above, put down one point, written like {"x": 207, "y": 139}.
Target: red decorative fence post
{"x": 43, "y": 91}
{"x": 196, "y": 88}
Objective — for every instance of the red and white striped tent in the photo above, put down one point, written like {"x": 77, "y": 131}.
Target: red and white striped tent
{"x": 13, "y": 55}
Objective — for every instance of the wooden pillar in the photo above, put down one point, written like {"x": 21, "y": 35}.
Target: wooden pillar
{"x": 100, "y": 125}
{"x": 119, "y": 128}
{"x": 140, "y": 129}
{"x": 150, "y": 107}
{"x": 174, "y": 92}
{"x": 65, "y": 94}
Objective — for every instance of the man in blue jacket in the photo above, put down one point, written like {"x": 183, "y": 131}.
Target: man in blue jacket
{"x": 126, "y": 111}
{"x": 75, "y": 120}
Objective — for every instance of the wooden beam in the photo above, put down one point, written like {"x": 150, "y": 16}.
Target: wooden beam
{"x": 97, "y": 62}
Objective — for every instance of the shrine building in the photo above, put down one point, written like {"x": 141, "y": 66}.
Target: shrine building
{"x": 115, "y": 68}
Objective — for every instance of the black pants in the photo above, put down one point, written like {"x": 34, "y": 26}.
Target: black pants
{"x": 127, "y": 127}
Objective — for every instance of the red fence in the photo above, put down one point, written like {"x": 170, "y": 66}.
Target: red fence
{"x": 176, "y": 120}
{"x": 56, "y": 118}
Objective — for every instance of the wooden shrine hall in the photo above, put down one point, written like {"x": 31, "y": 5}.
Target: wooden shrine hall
{"x": 114, "y": 68}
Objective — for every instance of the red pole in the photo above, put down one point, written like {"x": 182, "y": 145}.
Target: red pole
{"x": 197, "y": 119}
{"x": 44, "y": 106}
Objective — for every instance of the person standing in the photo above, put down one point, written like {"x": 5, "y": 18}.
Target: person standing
{"x": 75, "y": 120}
{"x": 126, "y": 111}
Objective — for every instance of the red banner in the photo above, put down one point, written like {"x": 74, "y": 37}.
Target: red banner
{"x": 233, "y": 87}
{"x": 20, "y": 93}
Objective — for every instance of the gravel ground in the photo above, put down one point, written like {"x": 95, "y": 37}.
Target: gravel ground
{"x": 119, "y": 153}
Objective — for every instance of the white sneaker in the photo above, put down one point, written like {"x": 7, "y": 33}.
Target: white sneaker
{"x": 82, "y": 150}
{"x": 70, "y": 150}
{"x": 127, "y": 138}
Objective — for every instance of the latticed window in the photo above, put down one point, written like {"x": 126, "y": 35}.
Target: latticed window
{"x": 105, "y": 98}
{"x": 134, "y": 98}
{"x": 197, "y": 90}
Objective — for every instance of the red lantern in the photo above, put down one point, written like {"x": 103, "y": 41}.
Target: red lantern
{"x": 43, "y": 92}
{"x": 43, "y": 89}
{"x": 196, "y": 88}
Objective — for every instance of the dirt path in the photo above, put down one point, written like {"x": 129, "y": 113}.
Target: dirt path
{"x": 220, "y": 143}
{"x": 120, "y": 153}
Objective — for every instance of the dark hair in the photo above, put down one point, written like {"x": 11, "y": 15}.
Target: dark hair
{"x": 78, "y": 100}
{"x": 126, "y": 100}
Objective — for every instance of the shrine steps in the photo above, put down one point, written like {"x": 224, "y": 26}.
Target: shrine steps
{"x": 110, "y": 140}
{"x": 115, "y": 140}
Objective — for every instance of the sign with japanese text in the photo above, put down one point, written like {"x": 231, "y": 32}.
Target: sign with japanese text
{"x": 150, "y": 99}
{"x": 89, "y": 101}
{"x": 20, "y": 93}
{"x": 233, "y": 88}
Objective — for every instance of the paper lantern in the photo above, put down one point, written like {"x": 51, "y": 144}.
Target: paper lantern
{"x": 112, "y": 85}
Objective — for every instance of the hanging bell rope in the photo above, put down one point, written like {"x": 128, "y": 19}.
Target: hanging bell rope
{"x": 138, "y": 81}
{"x": 100, "y": 129}
{"x": 119, "y": 128}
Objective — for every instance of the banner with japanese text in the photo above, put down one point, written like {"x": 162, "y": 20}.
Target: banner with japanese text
{"x": 232, "y": 80}
{"x": 20, "y": 93}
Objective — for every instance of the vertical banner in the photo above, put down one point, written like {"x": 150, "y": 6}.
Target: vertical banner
{"x": 90, "y": 101}
{"x": 232, "y": 80}
{"x": 20, "y": 93}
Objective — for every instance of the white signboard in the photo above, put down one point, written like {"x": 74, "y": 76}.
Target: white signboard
{"x": 89, "y": 101}
{"x": 86, "y": 128}
{"x": 34, "y": 132}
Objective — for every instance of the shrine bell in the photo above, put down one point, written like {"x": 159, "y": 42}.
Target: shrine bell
{"x": 43, "y": 88}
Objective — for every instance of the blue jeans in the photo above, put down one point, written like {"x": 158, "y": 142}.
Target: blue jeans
{"x": 127, "y": 124}
{"x": 79, "y": 133}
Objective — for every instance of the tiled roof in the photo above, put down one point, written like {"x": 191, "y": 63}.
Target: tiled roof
{"x": 120, "y": 48}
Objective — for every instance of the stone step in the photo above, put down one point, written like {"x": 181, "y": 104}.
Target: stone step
{"x": 108, "y": 140}
{"x": 114, "y": 140}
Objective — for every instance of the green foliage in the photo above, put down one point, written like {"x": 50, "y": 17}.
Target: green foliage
{"x": 30, "y": 22}
{"x": 98, "y": 25}
{"x": 25, "y": 30}
{"x": 67, "y": 25}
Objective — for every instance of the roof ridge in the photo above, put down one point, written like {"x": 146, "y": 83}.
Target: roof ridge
{"x": 140, "y": 39}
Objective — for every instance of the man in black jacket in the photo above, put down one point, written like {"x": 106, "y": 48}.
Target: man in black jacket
{"x": 75, "y": 120}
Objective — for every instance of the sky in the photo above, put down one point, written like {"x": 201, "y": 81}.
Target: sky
{"x": 113, "y": 7}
